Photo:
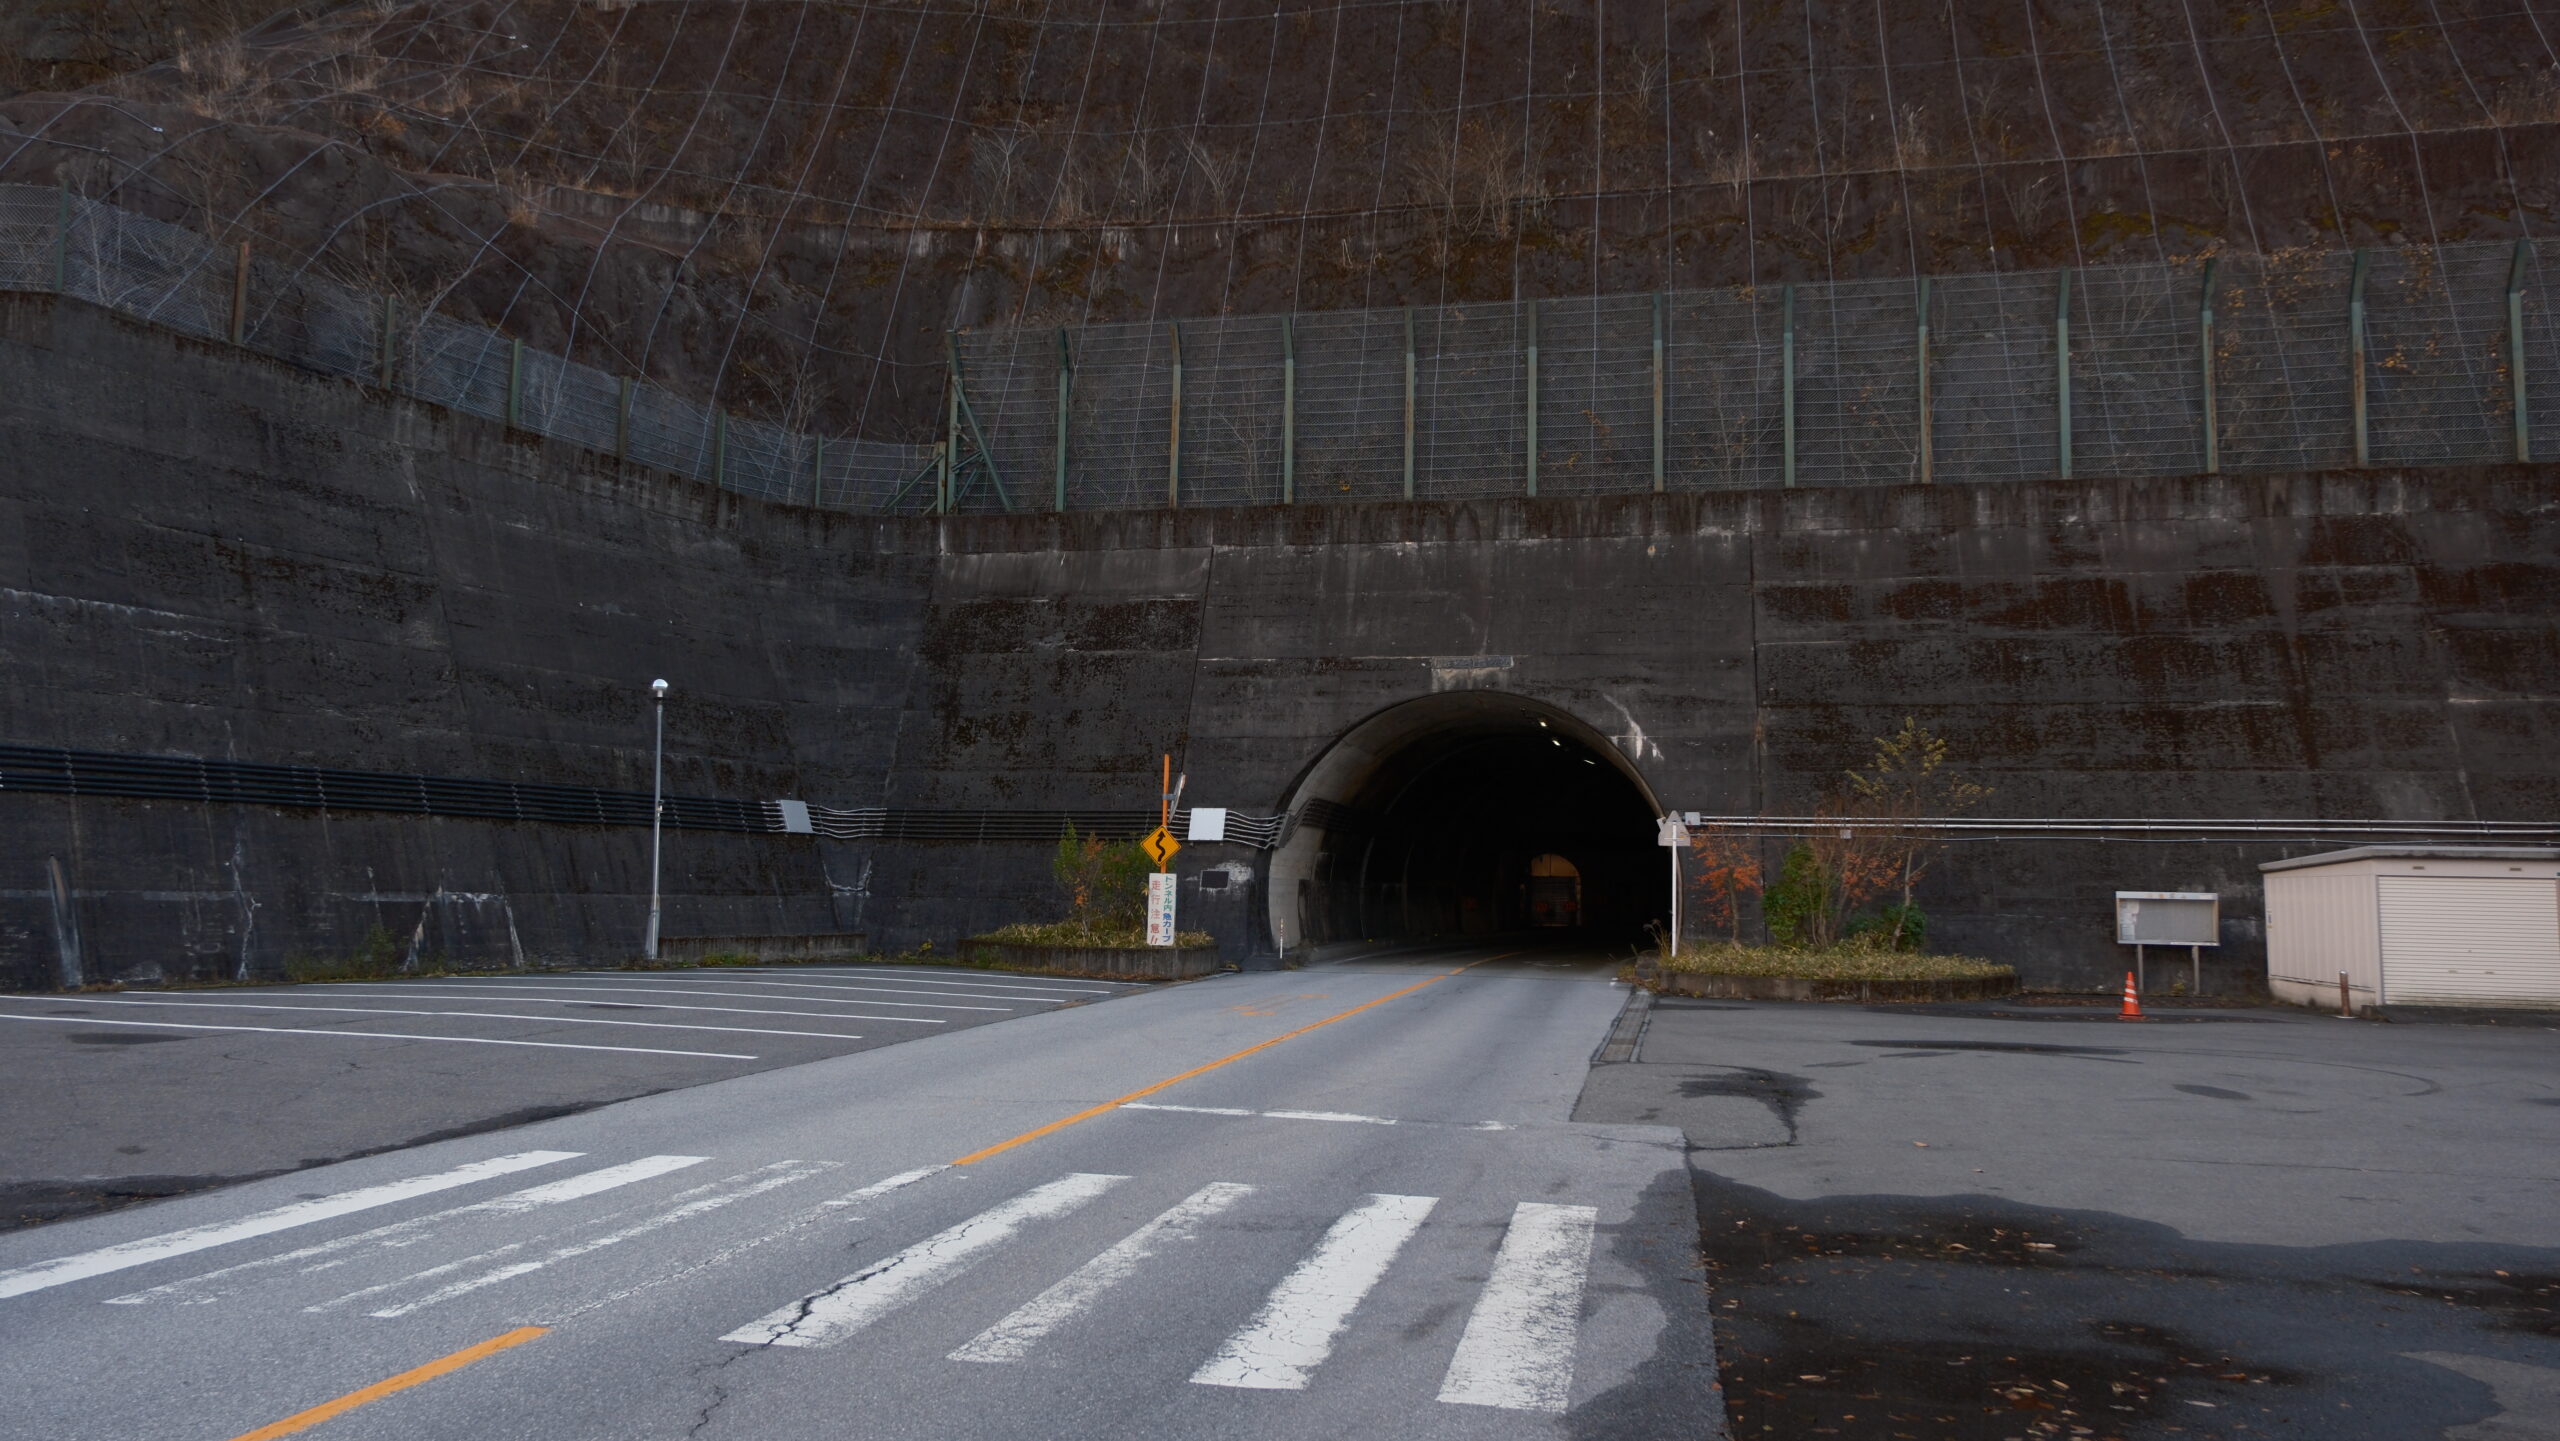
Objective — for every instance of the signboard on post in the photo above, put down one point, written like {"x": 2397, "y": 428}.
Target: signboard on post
{"x": 1671, "y": 832}
{"x": 1160, "y": 909}
{"x": 2192, "y": 919}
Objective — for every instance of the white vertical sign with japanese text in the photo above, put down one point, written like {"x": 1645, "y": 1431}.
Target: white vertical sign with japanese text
{"x": 1160, "y": 909}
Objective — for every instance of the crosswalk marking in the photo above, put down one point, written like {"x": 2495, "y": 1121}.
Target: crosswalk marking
{"x": 693, "y": 1203}
{"x": 1013, "y": 1337}
{"x": 823, "y": 1211}
{"x": 1295, "y": 1330}
{"x": 197, "y": 1289}
{"x": 831, "y": 1315}
{"x": 1517, "y": 1350}
{"x": 64, "y": 1269}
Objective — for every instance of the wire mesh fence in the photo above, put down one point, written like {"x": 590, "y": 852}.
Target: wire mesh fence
{"x": 2295, "y": 361}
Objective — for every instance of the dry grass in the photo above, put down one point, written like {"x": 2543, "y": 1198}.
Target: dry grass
{"x": 1083, "y": 937}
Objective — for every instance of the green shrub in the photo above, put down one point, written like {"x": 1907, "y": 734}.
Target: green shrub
{"x": 378, "y": 956}
{"x": 1076, "y": 933}
{"x": 1867, "y": 958}
{"x": 1792, "y": 905}
{"x": 1898, "y": 927}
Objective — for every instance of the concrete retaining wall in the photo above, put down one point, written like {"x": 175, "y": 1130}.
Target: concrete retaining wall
{"x": 203, "y": 553}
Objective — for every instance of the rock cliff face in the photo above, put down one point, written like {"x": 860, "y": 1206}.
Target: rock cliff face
{"x": 784, "y": 201}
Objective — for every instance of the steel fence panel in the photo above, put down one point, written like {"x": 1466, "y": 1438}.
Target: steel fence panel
{"x": 30, "y": 235}
{"x": 1595, "y": 395}
{"x": 1118, "y": 418}
{"x": 1857, "y": 384}
{"x": 1993, "y": 378}
{"x": 1725, "y": 382}
{"x": 2137, "y": 371}
{"x": 1350, "y": 405}
{"x": 2436, "y": 355}
{"x": 1231, "y": 383}
{"x": 1470, "y": 402}
{"x": 2281, "y": 379}
{"x": 1011, "y": 379}
{"x": 2541, "y": 307}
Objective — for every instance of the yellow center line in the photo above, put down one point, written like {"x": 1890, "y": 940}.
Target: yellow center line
{"x": 1087, "y": 1114}
{"x": 442, "y": 1365}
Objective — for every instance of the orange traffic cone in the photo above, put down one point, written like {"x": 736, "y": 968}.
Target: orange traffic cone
{"x": 2132, "y": 1002}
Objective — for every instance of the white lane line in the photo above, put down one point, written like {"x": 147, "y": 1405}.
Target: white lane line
{"x": 198, "y": 1289}
{"x": 376, "y": 1036}
{"x": 994, "y": 983}
{"x": 1012, "y": 1338}
{"x": 487, "y": 1015}
{"x": 1047, "y": 995}
{"x": 823, "y": 1211}
{"x": 700, "y": 988}
{"x": 1341, "y": 1116}
{"x": 520, "y": 998}
{"x": 64, "y": 1269}
{"x": 1280, "y": 1348}
{"x": 856, "y": 1301}
{"x": 703, "y": 1199}
{"x": 1517, "y": 1351}
{"x": 491, "y": 986}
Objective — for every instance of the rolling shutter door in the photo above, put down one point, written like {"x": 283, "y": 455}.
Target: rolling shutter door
{"x": 2465, "y": 941}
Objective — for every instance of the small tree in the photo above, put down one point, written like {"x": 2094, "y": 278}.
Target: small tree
{"x": 1106, "y": 884}
{"x": 1728, "y": 870}
{"x": 1907, "y": 784}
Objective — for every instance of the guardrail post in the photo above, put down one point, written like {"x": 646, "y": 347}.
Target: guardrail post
{"x": 2515, "y": 347}
{"x": 240, "y": 295}
{"x": 1659, "y": 301}
{"x": 2062, "y": 371}
{"x": 62, "y": 243}
{"x": 1408, "y": 402}
{"x": 2204, "y": 367}
{"x": 1288, "y": 410}
{"x": 1173, "y": 433}
{"x": 1533, "y": 396}
{"x": 622, "y": 422}
{"x": 1066, "y": 382}
{"x": 515, "y": 389}
{"x": 1920, "y": 338}
{"x": 2355, "y": 356}
{"x": 1787, "y": 381}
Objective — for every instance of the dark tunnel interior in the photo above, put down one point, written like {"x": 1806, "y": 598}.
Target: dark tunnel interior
{"x": 1512, "y": 827}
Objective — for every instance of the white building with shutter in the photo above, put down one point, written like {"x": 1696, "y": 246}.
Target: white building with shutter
{"x": 2416, "y": 926}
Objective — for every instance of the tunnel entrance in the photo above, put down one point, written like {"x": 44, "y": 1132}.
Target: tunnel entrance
{"x": 1469, "y": 814}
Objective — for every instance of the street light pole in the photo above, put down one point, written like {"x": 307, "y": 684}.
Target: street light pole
{"x": 657, "y": 812}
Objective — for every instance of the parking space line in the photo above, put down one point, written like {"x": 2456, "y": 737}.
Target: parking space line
{"x": 488, "y": 1015}
{"x": 64, "y": 1269}
{"x": 633, "y": 1005}
{"x": 967, "y": 988}
{"x": 377, "y": 1036}
{"x": 681, "y": 986}
{"x": 940, "y": 979}
{"x": 484, "y": 986}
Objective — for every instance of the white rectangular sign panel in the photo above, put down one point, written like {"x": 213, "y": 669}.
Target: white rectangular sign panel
{"x": 1160, "y": 909}
{"x": 2168, "y": 918}
{"x": 1208, "y": 823}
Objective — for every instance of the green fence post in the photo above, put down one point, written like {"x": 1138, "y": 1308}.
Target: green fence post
{"x": 2355, "y": 356}
{"x": 944, "y": 477}
{"x": 1066, "y": 382}
{"x": 62, "y": 243}
{"x": 817, "y": 470}
{"x": 515, "y": 385}
{"x": 622, "y": 422}
{"x": 2515, "y": 347}
{"x": 1533, "y": 396}
{"x": 240, "y": 296}
{"x": 1658, "y": 304}
{"x": 720, "y": 448}
{"x": 384, "y": 363}
{"x": 1288, "y": 410}
{"x": 1408, "y": 402}
{"x": 2204, "y": 364}
{"x": 2062, "y": 371}
{"x": 1787, "y": 382}
{"x": 1173, "y": 434}
{"x": 1928, "y": 447}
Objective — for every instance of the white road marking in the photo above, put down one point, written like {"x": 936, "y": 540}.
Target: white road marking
{"x": 856, "y": 1301}
{"x": 1280, "y": 1348}
{"x": 198, "y": 1289}
{"x": 1045, "y": 997}
{"x": 992, "y": 982}
{"x": 1013, "y": 1337}
{"x": 376, "y": 1036}
{"x": 485, "y": 1015}
{"x": 709, "y": 987}
{"x": 703, "y": 1199}
{"x": 1517, "y": 1351}
{"x": 494, "y": 986}
{"x": 823, "y": 1211}
{"x": 632, "y": 1005}
{"x": 64, "y": 1269}
{"x": 1345, "y": 1116}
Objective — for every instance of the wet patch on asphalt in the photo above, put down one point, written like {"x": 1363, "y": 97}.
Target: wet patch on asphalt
{"x": 2023, "y": 1048}
{"x": 1899, "y": 1318}
{"x": 1784, "y": 1095}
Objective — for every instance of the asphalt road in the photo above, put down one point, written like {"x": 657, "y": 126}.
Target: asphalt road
{"x": 1934, "y": 1224}
{"x": 132, "y": 1095}
{"x": 1347, "y": 1201}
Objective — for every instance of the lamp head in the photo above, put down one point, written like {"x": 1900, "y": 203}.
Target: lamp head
{"x": 658, "y": 688}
